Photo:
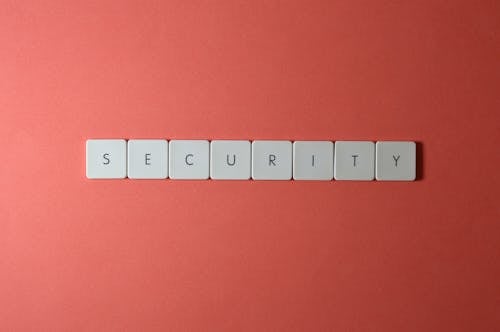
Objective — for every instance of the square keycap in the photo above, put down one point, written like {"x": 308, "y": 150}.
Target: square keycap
{"x": 106, "y": 158}
{"x": 395, "y": 161}
{"x": 271, "y": 160}
{"x": 147, "y": 159}
{"x": 354, "y": 160}
{"x": 189, "y": 159}
{"x": 313, "y": 160}
{"x": 230, "y": 160}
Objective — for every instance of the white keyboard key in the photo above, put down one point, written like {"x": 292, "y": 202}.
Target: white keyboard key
{"x": 395, "y": 161}
{"x": 354, "y": 160}
{"x": 271, "y": 160}
{"x": 230, "y": 160}
{"x": 147, "y": 159}
{"x": 106, "y": 159}
{"x": 312, "y": 160}
{"x": 189, "y": 159}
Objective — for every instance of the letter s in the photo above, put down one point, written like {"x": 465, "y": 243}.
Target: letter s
{"x": 106, "y": 159}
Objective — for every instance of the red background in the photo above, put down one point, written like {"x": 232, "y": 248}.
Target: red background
{"x": 82, "y": 255}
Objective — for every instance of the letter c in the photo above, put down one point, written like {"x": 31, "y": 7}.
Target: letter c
{"x": 190, "y": 163}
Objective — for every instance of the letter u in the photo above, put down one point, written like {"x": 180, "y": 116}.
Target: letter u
{"x": 234, "y": 160}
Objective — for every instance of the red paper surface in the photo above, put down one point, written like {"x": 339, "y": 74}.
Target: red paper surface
{"x": 82, "y": 255}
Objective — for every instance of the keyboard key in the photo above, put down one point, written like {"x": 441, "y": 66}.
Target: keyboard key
{"x": 313, "y": 160}
{"x": 230, "y": 160}
{"x": 106, "y": 158}
{"x": 395, "y": 161}
{"x": 271, "y": 160}
{"x": 189, "y": 159}
{"x": 147, "y": 159}
{"x": 354, "y": 160}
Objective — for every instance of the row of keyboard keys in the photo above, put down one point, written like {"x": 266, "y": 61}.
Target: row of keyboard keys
{"x": 242, "y": 160}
